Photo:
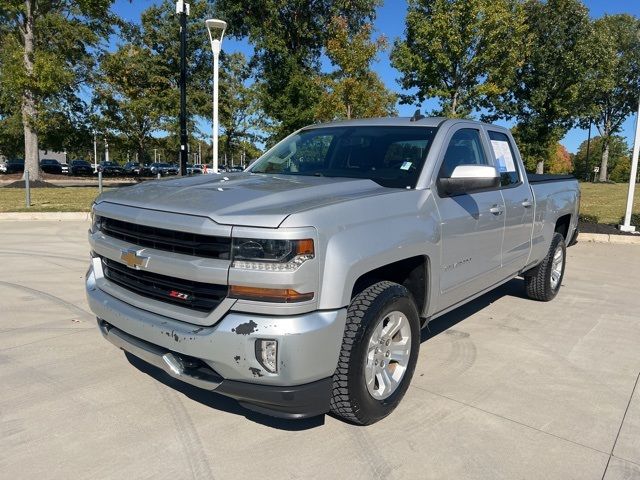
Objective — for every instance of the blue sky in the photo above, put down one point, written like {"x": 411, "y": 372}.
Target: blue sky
{"x": 390, "y": 23}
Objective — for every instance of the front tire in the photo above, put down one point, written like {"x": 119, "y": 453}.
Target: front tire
{"x": 378, "y": 355}
{"x": 544, "y": 281}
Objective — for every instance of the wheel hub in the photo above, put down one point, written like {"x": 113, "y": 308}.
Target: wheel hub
{"x": 556, "y": 267}
{"x": 388, "y": 355}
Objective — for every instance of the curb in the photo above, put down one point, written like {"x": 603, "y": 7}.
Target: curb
{"x": 45, "y": 216}
{"x": 607, "y": 238}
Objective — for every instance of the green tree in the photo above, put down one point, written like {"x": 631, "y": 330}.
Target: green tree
{"x": 288, "y": 37}
{"x": 46, "y": 56}
{"x": 611, "y": 90}
{"x": 353, "y": 90}
{"x": 619, "y": 153}
{"x": 132, "y": 96}
{"x": 464, "y": 52}
{"x": 240, "y": 114}
{"x": 11, "y": 135}
{"x": 544, "y": 95}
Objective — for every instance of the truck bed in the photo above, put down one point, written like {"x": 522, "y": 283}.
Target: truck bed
{"x": 543, "y": 178}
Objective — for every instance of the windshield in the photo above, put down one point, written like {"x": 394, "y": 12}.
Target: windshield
{"x": 390, "y": 156}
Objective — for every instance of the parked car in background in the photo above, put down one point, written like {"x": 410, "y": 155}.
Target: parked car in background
{"x": 110, "y": 169}
{"x": 80, "y": 167}
{"x": 205, "y": 168}
{"x": 161, "y": 168}
{"x": 15, "y": 165}
{"x": 50, "y": 165}
{"x": 132, "y": 168}
{"x": 194, "y": 169}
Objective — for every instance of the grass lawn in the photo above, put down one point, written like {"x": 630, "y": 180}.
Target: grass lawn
{"x": 607, "y": 201}
{"x": 67, "y": 199}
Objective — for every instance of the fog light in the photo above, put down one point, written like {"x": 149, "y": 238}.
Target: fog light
{"x": 267, "y": 354}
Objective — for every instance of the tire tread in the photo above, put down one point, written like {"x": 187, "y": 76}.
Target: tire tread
{"x": 341, "y": 402}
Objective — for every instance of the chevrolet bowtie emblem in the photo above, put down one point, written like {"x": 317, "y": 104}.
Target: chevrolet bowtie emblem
{"x": 133, "y": 260}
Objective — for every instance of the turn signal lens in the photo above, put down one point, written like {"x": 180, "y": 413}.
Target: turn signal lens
{"x": 276, "y": 295}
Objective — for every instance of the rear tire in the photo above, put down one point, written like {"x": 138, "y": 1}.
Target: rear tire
{"x": 544, "y": 281}
{"x": 378, "y": 355}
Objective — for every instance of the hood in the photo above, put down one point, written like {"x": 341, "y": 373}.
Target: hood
{"x": 243, "y": 199}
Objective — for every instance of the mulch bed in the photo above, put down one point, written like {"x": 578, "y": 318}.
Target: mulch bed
{"x": 32, "y": 184}
{"x": 603, "y": 228}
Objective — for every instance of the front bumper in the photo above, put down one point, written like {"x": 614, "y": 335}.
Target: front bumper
{"x": 308, "y": 349}
{"x": 300, "y": 401}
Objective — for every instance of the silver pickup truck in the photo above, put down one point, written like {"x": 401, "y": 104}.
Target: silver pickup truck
{"x": 300, "y": 286}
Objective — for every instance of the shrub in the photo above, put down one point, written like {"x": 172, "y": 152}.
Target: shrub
{"x": 588, "y": 218}
{"x": 635, "y": 219}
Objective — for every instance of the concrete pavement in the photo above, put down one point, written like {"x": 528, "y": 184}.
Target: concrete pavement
{"x": 505, "y": 387}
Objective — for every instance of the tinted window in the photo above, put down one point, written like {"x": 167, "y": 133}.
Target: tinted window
{"x": 390, "y": 156}
{"x": 505, "y": 158}
{"x": 465, "y": 148}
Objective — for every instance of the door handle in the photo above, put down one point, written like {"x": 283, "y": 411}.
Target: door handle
{"x": 496, "y": 210}
{"x": 526, "y": 203}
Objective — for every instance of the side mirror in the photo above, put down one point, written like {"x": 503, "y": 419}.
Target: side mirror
{"x": 469, "y": 178}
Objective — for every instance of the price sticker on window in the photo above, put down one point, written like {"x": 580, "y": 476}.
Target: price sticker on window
{"x": 504, "y": 158}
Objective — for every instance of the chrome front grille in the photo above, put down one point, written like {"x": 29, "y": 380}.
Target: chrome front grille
{"x": 206, "y": 246}
{"x": 203, "y": 297}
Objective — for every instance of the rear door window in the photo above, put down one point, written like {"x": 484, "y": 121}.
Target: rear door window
{"x": 505, "y": 158}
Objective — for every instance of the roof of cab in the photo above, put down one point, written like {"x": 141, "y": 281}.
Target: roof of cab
{"x": 397, "y": 122}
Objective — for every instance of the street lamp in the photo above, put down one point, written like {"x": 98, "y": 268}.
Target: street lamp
{"x": 182, "y": 8}
{"x": 216, "y": 30}
{"x": 626, "y": 224}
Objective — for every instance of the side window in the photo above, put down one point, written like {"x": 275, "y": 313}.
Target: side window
{"x": 505, "y": 158}
{"x": 465, "y": 148}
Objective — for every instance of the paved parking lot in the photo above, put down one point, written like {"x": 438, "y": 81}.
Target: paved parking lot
{"x": 505, "y": 387}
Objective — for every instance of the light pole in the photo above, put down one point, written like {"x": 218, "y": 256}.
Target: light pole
{"x": 216, "y": 30}
{"x": 626, "y": 226}
{"x": 182, "y": 8}
{"x": 95, "y": 153}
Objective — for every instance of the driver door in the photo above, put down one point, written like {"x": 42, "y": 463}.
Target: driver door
{"x": 472, "y": 224}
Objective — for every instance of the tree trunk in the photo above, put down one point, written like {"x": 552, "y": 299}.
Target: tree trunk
{"x": 604, "y": 163}
{"x": 540, "y": 167}
{"x": 454, "y": 104}
{"x": 31, "y": 158}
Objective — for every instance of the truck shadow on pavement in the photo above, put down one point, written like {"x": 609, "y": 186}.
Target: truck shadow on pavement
{"x": 514, "y": 288}
{"x": 220, "y": 402}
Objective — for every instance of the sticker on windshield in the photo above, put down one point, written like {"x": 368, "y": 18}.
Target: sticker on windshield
{"x": 406, "y": 166}
{"x": 503, "y": 156}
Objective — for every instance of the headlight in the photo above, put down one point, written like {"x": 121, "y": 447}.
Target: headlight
{"x": 271, "y": 255}
{"x": 96, "y": 222}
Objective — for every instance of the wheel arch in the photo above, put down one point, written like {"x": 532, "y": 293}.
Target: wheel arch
{"x": 414, "y": 273}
